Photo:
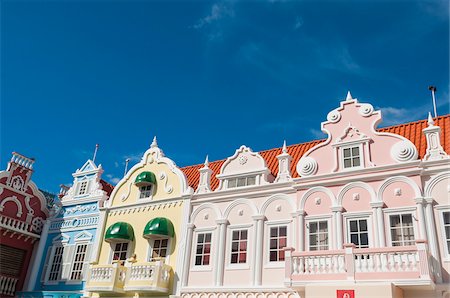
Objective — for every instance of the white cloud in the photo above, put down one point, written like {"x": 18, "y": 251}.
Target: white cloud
{"x": 112, "y": 179}
{"x": 218, "y": 12}
{"x": 317, "y": 134}
{"x": 298, "y": 23}
{"x": 393, "y": 115}
{"x": 116, "y": 164}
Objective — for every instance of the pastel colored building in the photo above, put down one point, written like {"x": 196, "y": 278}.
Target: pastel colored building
{"x": 63, "y": 256}
{"x": 363, "y": 213}
{"x": 142, "y": 231}
{"x": 23, "y": 211}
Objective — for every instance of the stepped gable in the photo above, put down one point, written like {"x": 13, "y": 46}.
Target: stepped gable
{"x": 412, "y": 131}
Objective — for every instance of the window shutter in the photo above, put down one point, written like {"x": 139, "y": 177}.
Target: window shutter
{"x": 87, "y": 260}
{"x": 44, "y": 270}
{"x": 67, "y": 261}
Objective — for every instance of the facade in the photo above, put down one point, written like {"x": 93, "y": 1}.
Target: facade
{"x": 63, "y": 256}
{"x": 23, "y": 211}
{"x": 364, "y": 213}
{"x": 140, "y": 250}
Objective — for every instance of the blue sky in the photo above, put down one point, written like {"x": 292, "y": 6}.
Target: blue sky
{"x": 205, "y": 77}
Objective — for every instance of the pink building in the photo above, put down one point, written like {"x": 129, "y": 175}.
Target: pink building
{"x": 364, "y": 213}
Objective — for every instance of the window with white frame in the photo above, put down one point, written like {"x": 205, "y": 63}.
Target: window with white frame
{"x": 159, "y": 248}
{"x": 351, "y": 157}
{"x": 446, "y": 218}
{"x": 239, "y": 246}
{"x": 358, "y": 232}
{"x": 277, "y": 241}
{"x": 402, "y": 229}
{"x": 318, "y": 235}
{"x": 145, "y": 191}
{"x": 56, "y": 264}
{"x": 120, "y": 251}
{"x": 82, "y": 188}
{"x": 241, "y": 181}
{"x": 203, "y": 249}
{"x": 78, "y": 262}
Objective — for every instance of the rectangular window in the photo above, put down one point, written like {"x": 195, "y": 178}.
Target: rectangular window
{"x": 120, "y": 251}
{"x": 159, "y": 249}
{"x": 318, "y": 235}
{"x": 241, "y": 181}
{"x": 239, "y": 246}
{"x": 358, "y": 233}
{"x": 402, "y": 230}
{"x": 278, "y": 239}
{"x": 55, "y": 268}
{"x": 83, "y": 188}
{"x": 78, "y": 262}
{"x": 146, "y": 192}
{"x": 351, "y": 157}
{"x": 446, "y": 216}
{"x": 203, "y": 252}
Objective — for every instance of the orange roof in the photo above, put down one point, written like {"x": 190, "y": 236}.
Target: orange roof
{"x": 411, "y": 131}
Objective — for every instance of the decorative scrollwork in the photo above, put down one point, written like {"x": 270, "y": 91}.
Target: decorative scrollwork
{"x": 366, "y": 110}
{"x": 307, "y": 166}
{"x": 36, "y": 224}
{"x": 334, "y": 116}
{"x": 404, "y": 151}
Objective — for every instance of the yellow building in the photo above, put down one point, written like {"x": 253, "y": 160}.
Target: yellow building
{"x": 141, "y": 237}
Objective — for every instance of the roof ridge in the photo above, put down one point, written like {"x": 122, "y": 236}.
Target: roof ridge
{"x": 415, "y": 122}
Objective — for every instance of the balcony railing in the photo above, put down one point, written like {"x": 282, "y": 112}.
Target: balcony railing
{"x": 412, "y": 264}
{"x": 106, "y": 278}
{"x": 133, "y": 277}
{"x": 148, "y": 277}
{"x": 8, "y": 285}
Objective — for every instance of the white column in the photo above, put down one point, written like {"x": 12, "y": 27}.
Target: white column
{"x": 187, "y": 255}
{"x": 38, "y": 259}
{"x": 220, "y": 260}
{"x": 337, "y": 215}
{"x": 99, "y": 236}
{"x": 380, "y": 236}
{"x": 301, "y": 230}
{"x": 295, "y": 229}
{"x": 421, "y": 218}
{"x": 258, "y": 254}
{"x": 433, "y": 244}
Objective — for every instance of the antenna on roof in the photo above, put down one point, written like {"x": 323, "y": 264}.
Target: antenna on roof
{"x": 433, "y": 91}
{"x": 126, "y": 166}
{"x": 95, "y": 152}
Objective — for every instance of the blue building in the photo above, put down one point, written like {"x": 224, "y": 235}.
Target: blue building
{"x": 62, "y": 258}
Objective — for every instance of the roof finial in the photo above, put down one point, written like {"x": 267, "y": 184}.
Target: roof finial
{"x": 126, "y": 166}
{"x": 95, "y": 153}
{"x": 284, "y": 147}
{"x": 430, "y": 119}
{"x": 206, "y": 164}
{"x": 154, "y": 143}
{"x": 349, "y": 96}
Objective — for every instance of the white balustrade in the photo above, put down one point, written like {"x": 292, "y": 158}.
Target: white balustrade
{"x": 14, "y": 224}
{"x": 142, "y": 272}
{"x": 8, "y": 285}
{"x": 102, "y": 274}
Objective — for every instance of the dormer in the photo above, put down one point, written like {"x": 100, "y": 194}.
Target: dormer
{"x": 87, "y": 185}
{"x": 244, "y": 168}
{"x": 353, "y": 142}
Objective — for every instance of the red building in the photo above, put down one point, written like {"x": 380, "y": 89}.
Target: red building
{"x": 23, "y": 211}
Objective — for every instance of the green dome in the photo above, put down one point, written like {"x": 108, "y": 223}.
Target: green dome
{"x": 145, "y": 178}
{"x": 119, "y": 231}
{"x": 160, "y": 226}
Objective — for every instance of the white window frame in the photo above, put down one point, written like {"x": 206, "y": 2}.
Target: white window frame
{"x": 80, "y": 185}
{"x": 308, "y": 220}
{"x": 50, "y": 264}
{"x": 152, "y": 188}
{"x": 359, "y": 217}
{"x": 268, "y": 226}
{"x": 230, "y": 231}
{"x": 441, "y": 211}
{"x": 113, "y": 245}
{"x": 212, "y": 253}
{"x": 399, "y": 211}
{"x": 242, "y": 177}
{"x": 73, "y": 258}
{"x": 151, "y": 243}
{"x": 350, "y": 146}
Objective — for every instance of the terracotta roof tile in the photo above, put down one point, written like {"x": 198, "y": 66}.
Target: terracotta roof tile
{"x": 107, "y": 187}
{"x": 411, "y": 131}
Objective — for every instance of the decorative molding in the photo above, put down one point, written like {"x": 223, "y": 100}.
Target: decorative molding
{"x": 14, "y": 200}
{"x": 307, "y": 166}
{"x": 334, "y": 116}
{"x": 312, "y": 190}
{"x": 233, "y": 204}
{"x": 351, "y": 185}
{"x": 404, "y": 151}
{"x": 390, "y": 180}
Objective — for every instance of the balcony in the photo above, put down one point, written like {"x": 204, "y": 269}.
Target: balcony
{"x": 106, "y": 278}
{"x": 8, "y": 285}
{"x": 402, "y": 265}
{"x": 149, "y": 277}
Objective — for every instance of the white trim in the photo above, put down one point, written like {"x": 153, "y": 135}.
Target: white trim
{"x": 446, "y": 256}
{"x": 350, "y": 145}
{"x": 239, "y": 266}
{"x": 368, "y": 218}
{"x": 151, "y": 243}
{"x": 238, "y": 202}
{"x": 289, "y": 236}
{"x": 197, "y": 231}
{"x": 112, "y": 244}
{"x": 404, "y": 179}
{"x": 351, "y": 185}
{"x": 312, "y": 190}
{"x": 316, "y": 218}
{"x": 399, "y": 211}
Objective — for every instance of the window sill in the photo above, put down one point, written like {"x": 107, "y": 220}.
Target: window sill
{"x": 201, "y": 268}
